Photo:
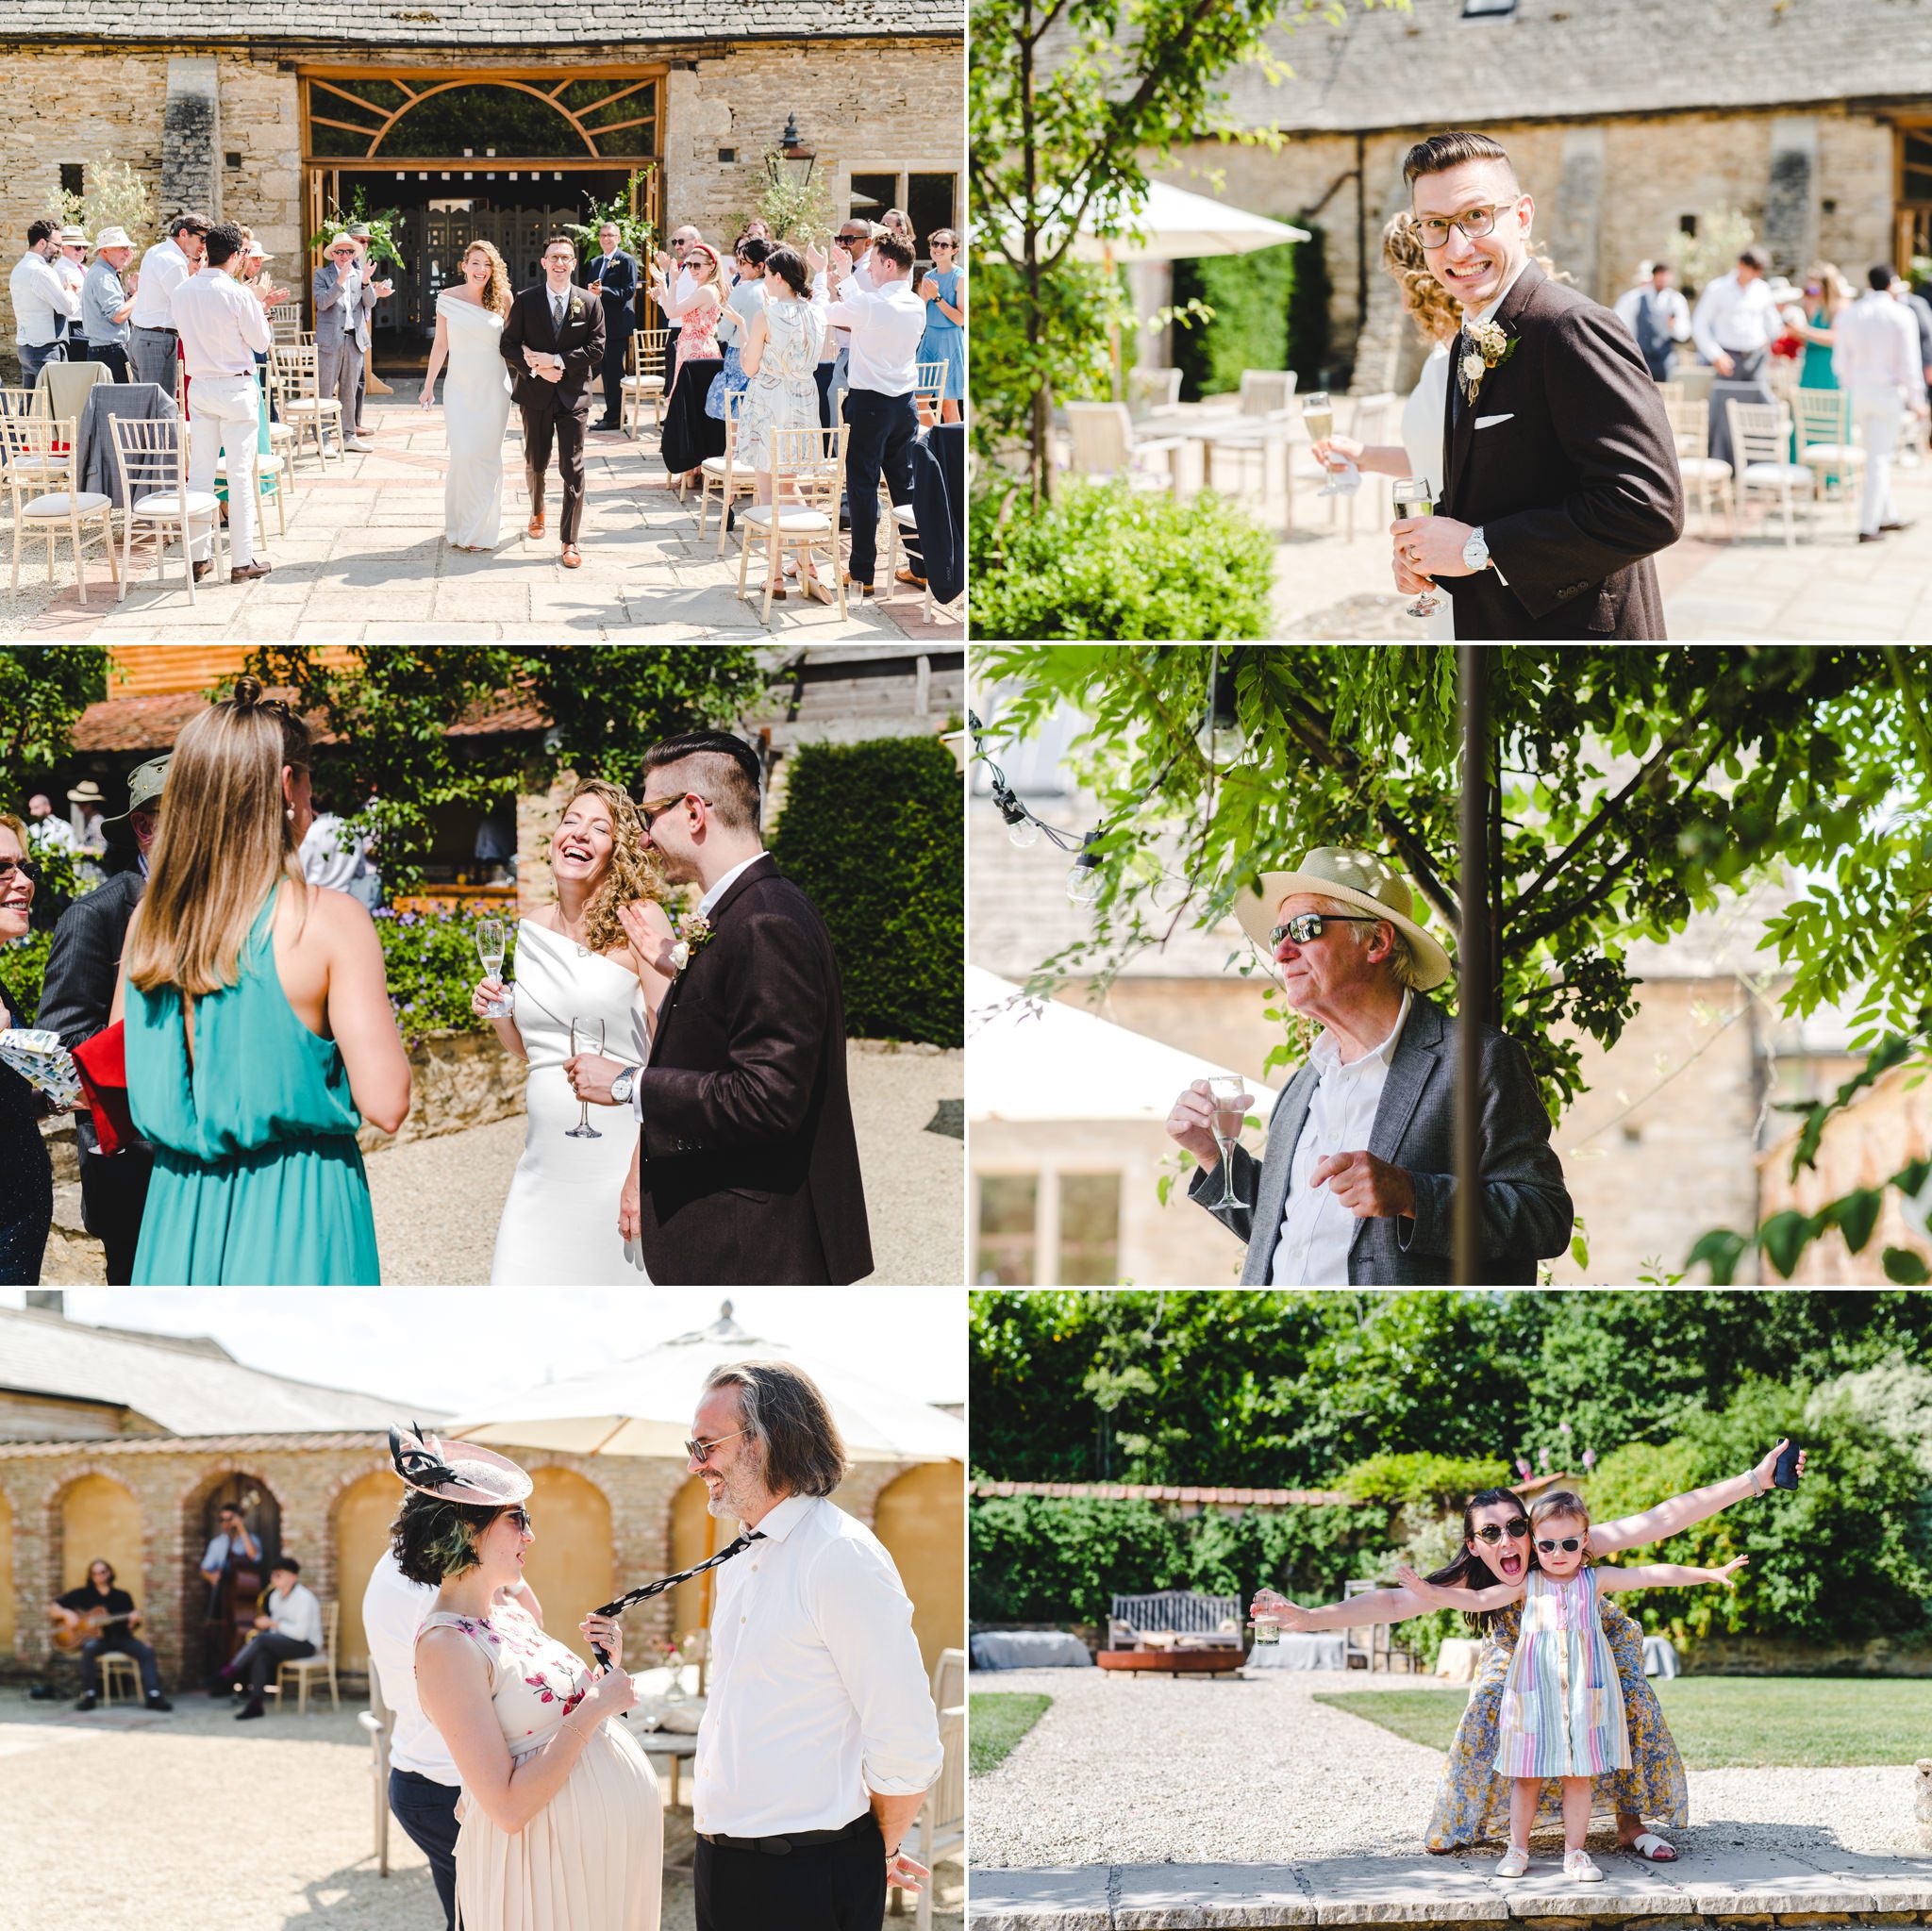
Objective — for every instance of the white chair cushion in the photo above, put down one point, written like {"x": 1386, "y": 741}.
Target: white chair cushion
{"x": 1694, "y": 467}
{"x": 902, "y": 515}
{"x": 1777, "y": 473}
{"x": 1841, "y": 455}
{"x": 171, "y": 504}
{"x": 715, "y": 466}
{"x": 85, "y": 504}
{"x": 646, "y": 383}
{"x": 794, "y": 521}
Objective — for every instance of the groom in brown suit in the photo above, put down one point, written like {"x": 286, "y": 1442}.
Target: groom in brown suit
{"x": 1559, "y": 469}
{"x": 553, "y": 341}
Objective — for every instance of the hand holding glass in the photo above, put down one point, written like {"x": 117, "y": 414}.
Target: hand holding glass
{"x": 1231, "y": 1098}
{"x": 586, "y": 1036}
{"x": 1413, "y": 497}
{"x": 489, "y": 938}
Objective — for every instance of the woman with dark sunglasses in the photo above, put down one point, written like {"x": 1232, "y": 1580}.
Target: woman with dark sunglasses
{"x": 26, "y": 1202}
{"x": 1472, "y": 1801}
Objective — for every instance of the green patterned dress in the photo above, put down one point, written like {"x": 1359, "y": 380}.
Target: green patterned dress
{"x": 1472, "y": 1802}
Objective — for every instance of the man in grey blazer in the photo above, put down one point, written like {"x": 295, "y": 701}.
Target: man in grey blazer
{"x": 346, "y": 293}
{"x": 1359, "y": 1184}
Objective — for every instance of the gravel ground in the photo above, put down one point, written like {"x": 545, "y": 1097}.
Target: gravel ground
{"x": 438, "y": 1201}
{"x": 140, "y": 1803}
{"x": 1146, "y": 1769}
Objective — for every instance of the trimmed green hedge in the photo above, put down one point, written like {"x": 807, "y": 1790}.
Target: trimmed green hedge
{"x": 875, "y": 835}
{"x": 1251, "y": 296}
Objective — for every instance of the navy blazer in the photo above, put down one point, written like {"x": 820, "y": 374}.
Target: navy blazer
{"x": 619, "y": 275}
{"x": 939, "y": 507}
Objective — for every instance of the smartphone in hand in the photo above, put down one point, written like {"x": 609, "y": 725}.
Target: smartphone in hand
{"x": 1786, "y": 1474}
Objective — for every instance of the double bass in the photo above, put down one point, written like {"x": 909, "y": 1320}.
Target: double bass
{"x": 235, "y": 1603}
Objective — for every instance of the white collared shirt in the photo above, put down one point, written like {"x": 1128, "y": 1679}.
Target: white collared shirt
{"x": 296, "y": 1615}
{"x": 726, "y": 883}
{"x": 163, "y": 269}
{"x": 393, "y": 1612}
{"x": 886, "y": 325}
{"x": 1875, "y": 345}
{"x": 818, "y": 1693}
{"x": 1738, "y": 318}
{"x": 221, "y": 325}
{"x": 43, "y": 305}
{"x": 1669, "y": 304}
{"x": 1316, "y": 1229}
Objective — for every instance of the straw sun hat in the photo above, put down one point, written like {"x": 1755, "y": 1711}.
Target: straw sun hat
{"x": 1356, "y": 879}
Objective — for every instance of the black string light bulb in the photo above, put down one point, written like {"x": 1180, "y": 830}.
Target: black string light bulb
{"x": 1083, "y": 881}
{"x": 1025, "y": 830}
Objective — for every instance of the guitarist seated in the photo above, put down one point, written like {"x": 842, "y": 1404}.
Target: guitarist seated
{"x": 96, "y": 1617}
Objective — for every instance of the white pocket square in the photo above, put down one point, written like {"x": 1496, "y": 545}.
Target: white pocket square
{"x": 1490, "y": 421}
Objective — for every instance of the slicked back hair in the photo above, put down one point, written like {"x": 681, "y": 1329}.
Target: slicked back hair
{"x": 1442, "y": 152}
{"x": 723, "y": 768}
{"x": 799, "y": 1447}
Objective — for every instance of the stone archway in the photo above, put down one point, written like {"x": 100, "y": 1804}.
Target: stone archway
{"x": 99, "y": 1517}
{"x": 358, "y": 1533}
{"x": 205, "y": 1646}
{"x": 921, "y": 1518}
{"x": 572, "y": 1564}
{"x": 693, "y": 1535}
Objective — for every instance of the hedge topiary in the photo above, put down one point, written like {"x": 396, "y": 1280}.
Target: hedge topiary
{"x": 873, "y": 834}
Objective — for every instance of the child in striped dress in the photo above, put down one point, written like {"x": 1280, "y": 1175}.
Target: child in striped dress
{"x": 1562, "y": 1710}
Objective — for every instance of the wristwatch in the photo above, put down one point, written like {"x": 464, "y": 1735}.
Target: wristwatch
{"x": 621, "y": 1087}
{"x": 1475, "y": 553}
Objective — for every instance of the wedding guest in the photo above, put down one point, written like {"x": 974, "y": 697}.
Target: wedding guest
{"x": 155, "y": 345}
{"x": 470, "y": 320}
{"x": 288, "y": 1629}
{"x": 26, "y": 1202}
{"x": 42, "y": 303}
{"x": 365, "y": 263}
{"x": 1321, "y": 1210}
{"x": 746, "y": 298}
{"x": 1657, "y": 316}
{"x": 894, "y": 221}
{"x": 1735, "y": 323}
{"x": 943, "y": 291}
{"x": 1826, "y": 294}
{"x": 335, "y": 858}
{"x": 576, "y": 961}
{"x": 233, "y": 1542}
{"x": 257, "y": 1178}
{"x": 819, "y": 1738}
{"x": 77, "y": 999}
{"x": 689, "y": 434}
{"x": 857, "y": 237}
{"x": 344, "y": 296}
{"x": 564, "y": 1823}
{"x": 107, "y": 301}
{"x": 757, "y": 228}
{"x": 673, "y": 301}
{"x": 1876, "y": 358}
{"x": 69, "y": 263}
{"x": 780, "y": 355}
{"x": 612, "y": 277}
{"x": 100, "y": 1595}
{"x": 45, "y": 826}
{"x": 885, "y": 323}
{"x": 223, "y": 327}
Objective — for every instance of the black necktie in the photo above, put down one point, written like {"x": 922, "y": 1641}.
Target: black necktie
{"x": 667, "y": 1582}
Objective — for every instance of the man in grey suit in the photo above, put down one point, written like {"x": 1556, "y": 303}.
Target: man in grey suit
{"x": 1359, "y": 1185}
{"x": 344, "y": 296}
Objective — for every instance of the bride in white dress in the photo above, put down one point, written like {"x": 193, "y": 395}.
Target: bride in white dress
{"x": 475, "y": 397}
{"x": 573, "y": 962}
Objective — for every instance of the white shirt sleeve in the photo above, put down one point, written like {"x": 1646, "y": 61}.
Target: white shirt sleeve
{"x": 1704, "y": 323}
{"x": 298, "y": 1615}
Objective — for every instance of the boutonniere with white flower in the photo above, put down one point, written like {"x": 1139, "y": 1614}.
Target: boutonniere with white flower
{"x": 1492, "y": 345}
{"x": 576, "y": 312}
{"x": 693, "y": 935}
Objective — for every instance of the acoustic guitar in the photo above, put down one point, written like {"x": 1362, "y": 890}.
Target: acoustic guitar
{"x": 74, "y": 1627}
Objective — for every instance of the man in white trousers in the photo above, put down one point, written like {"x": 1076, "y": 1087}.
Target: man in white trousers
{"x": 1875, "y": 357}
{"x": 222, "y": 325}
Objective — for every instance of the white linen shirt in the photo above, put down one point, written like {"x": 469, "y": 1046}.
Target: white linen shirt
{"x": 1738, "y": 316}
{"x": 163, "y": 269}
{"x": 296, "y": 1615}
{"x": 886, "y": 325}
{"x": 221, "y": 325}
{"x": 1669, "y": 303}
{"x": 43, "y": 305}
{"x": 1875, "y": 345}
{"x": 1316, "y": 1229}
{"x": 818, "y": 1693}
{"x": 394, "y": 1609}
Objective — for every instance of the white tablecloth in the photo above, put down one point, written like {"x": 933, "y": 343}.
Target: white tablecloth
{"x": 1029, "y": 1649}
{"x": 1312, "y": 1650}
{"x": 1660, "y": 1657}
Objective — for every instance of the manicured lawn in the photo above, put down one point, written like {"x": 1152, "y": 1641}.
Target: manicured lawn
{"x": 995, "y": 1721}
{"x": 1804, "y": 1721}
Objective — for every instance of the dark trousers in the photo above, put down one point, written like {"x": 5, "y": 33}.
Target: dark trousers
{"x": 884, "y": 428}
{"x": 111, "y": 355}
{"x": 264, "y": 1653}
{"x": 113, "y": 1196}
{"x": 824, "y": 373}
{"x": 128, "y": 1645}
{"x": 541, "y": 428}
{"x": 34, "y": 358}
{"x": 616, "y": 348}
{"x": 427, "y": 1812}
{"x": 837, "y": 1887}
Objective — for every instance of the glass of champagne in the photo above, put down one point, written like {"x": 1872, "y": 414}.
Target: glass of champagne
{"x": 1231, "y": 1096}
{"x": 1318, "y": 417}
{"x": 489, "y": 939}
{"x": 586, "y": 1036}
{"x": 1413, "y": 497}
{"x": 1267, "y": 1628}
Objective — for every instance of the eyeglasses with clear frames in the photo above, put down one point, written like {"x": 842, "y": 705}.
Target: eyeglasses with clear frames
{"x": 700, "y": 1451}
{"x": 651, "y": 809}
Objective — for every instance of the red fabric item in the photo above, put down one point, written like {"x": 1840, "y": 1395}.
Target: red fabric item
{"x": 102, "y": 1063}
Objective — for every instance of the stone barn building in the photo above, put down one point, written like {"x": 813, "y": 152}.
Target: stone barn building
{"x": 123, "y": 1444}
{"x": 1629, "y": 121}
{"x": 479, "y": 118}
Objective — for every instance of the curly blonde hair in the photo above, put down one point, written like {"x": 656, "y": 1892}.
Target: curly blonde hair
{"x": 633, "y": 872}
{"x": 1435, "y": 312}
{"x": 497, "y": 290}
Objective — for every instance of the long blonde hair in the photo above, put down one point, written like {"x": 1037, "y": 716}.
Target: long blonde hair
{"x": 497, "y": 290}
{"x": 227, "y": 840}
{"x": 633, "y": 874}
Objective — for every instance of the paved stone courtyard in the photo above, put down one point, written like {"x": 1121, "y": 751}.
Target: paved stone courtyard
{"x": 364, "y": 559}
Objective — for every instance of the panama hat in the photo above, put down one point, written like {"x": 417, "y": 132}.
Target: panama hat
{"x": 339, "y": 241}
{"x": 112, "y": 237}
{"x": 86, "y": 792}
{"x": 73, "y": 238}
{"x": 1357, "y": 878}
{"x": 455, "y": 1471}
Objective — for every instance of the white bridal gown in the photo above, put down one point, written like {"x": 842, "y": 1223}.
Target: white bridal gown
{"x": 476, "y": 411}
{"x": 1422, "y": 437}
{"x": 560, "y": 1222}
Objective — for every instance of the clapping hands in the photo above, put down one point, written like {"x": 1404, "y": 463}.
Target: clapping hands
{"x": 815, "y": 257}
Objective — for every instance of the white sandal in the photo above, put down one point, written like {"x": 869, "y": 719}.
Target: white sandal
{"x": 1652, "y": 1848}
{"x": 1578, "y": 1867}
{"x": 1515, "y": 1862}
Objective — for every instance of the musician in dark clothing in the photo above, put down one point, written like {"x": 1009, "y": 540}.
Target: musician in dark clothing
{"x": 119, "y": 1619}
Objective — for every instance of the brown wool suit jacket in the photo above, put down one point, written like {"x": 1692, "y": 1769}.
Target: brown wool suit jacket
{"x": 1576, "y": 490}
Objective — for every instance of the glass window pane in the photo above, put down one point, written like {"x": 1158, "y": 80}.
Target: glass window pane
{"x": 481, "y": 117}
{"x": 1090, "y": 1229}
{"x": 1008, "y": 1213}
{"x": 872, "y": 195}
{"x": 930, "y": 204}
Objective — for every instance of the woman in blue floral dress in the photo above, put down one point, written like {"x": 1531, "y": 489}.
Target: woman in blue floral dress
{"x": 1472, "y": 1801}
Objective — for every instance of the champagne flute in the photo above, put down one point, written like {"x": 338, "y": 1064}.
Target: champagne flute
{"x": 1318, "y": 417}
{"x": 489, "y": 940}
{"x": 1230, "y": 1094}
{"x": 1413, "y": 497}
{"x": 586, "y": 1036}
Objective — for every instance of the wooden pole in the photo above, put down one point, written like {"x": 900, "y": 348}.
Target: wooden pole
{"x": 1472, "y": 962}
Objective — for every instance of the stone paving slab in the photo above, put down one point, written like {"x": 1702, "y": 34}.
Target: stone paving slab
{"x": 1045, "y": 1900}
{"x": 1150, "y": 1896}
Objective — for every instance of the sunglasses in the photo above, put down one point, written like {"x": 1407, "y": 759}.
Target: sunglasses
{"x": 1516, "y": 1525}
{"x": 1306, "y": 925}
{"x": 651, "y": 809}
{"x": 26, "y": 867}
{"x": 520, "y": 1517}
{"x": 1569, "y": 1545}
{"x": 700, "y": 1451}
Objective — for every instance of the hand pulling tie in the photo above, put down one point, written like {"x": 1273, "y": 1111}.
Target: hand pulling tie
{"x": 666, "y": 1582}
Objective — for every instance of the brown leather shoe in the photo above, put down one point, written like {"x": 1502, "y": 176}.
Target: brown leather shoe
{"x": 535, "y": 526}
{"x": 863, "y": 590}
{"x": 573, "y": 557}
{"x": 907, "y": 576}
{"x": 248, "y": 573}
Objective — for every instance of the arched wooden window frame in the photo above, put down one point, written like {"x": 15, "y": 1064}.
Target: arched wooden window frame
{"x": 421, "y": 87}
